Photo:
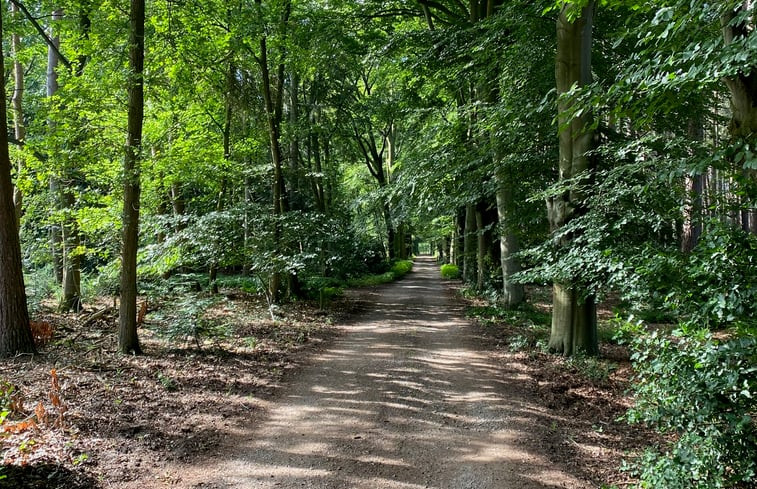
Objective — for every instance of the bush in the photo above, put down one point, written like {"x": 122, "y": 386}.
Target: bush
{"x": 401, "y": 268}
{"x": 450, "y": 271}
{"x": 702, "y": 391}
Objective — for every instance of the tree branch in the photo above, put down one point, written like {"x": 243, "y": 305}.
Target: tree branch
{"x": 42, "y": 33}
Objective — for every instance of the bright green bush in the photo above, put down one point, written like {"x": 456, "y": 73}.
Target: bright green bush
{"x": 703, "y": 392}
{"x": 450, "y": 271}
{"x": 401, "y": 268}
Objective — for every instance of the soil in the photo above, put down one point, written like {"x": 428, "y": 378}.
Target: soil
{"x": 404, "y": 393}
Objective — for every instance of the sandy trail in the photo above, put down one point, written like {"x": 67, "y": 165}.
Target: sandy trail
{"x": 404, "y": 399}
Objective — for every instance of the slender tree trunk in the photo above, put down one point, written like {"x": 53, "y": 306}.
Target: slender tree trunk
{"x": 15, "y": 332}
{"x": 460, "y": 239}
{"x": 56, "y": 232}
{"x": 71, "y": 300}
{"x": 18, "y": 110}
{"x": 128, "y": 341}
{"x": 273, "y": 103}
{"x": 574, "y": 324}
{"x": 470, "y": 244}
{"x": 481, "y": 268}
{"x": 692, "y": 209}
{"x": 213, "y": 272}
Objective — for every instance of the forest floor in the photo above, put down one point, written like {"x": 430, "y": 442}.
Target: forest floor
{"x": 391, "y": 387}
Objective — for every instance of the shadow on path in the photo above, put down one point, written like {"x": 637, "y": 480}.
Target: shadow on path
{"x": 403, "y": 400}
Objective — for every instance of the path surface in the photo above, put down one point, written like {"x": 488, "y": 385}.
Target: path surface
{"x": 403, "y": 400}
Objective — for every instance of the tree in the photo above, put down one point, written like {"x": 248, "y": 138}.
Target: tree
{"x": 738, "y": 23}
{"x": 15, "y": 331}
{"x": 128, "y": 341}
{"x": 574, "y": 322}
{"x": 18, "y": 107}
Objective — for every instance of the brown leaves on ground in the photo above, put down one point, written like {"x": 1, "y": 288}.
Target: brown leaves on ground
{"x": 84, "y": 416}
{"x": 586, "y": 397}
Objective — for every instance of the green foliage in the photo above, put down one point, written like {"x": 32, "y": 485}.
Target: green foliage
{"x": 40, "y": 286}
{"x": 702, "y": 391}
{"x": 397, "y": 270}
{"x": 400, "y": 268}
{"x": 450, "y": 271}
{"x": 371, "y": 280}
{"x": 188, "y": 320}
{"x": 597, "y": 370}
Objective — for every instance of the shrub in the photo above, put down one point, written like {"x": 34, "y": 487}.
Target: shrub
{"x": 450, "y": 271}
{"x": 401, "y": 268}
{"x": 703, "y": 391}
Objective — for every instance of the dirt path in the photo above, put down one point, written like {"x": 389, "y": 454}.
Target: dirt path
{"x": 404, "y": 399}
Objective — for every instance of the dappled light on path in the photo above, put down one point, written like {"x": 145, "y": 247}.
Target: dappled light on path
{"x": 403, "y": 400}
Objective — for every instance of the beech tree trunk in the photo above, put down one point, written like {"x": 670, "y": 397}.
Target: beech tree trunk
{"x": 512, "y": 293}
{"x": 574, "y": 322}
{"x": 128, "y": 341}
{"x": 15, "y": 332}
{"x": 56, "y": 233}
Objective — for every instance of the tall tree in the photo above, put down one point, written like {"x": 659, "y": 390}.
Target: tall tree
{"x": 53, "y": 60}
{"x": 738, "y": 24}
{"x": 18, "y": 107}
{"x": 574, "y": 317}
{"x": 15, "y": 331}
{"x": 128, "y": 341}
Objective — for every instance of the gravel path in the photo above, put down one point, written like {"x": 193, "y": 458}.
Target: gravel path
{"x": 404, "y": 399}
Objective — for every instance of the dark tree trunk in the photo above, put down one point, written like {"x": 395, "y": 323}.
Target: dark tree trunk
{"x": 743, "y": 89}
{"x": 470, "y": 244}
{"x": 15, "y": 332}
{"x": 128, "y": 341}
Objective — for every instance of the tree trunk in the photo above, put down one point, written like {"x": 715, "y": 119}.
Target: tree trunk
{"x": 470, "y": 244}
{"x": 71, "y": 300}
{"x": 743, "y": 89}
{"x": 56, "y": 232}
{"x": 18, "y": 110}
{"x": 574, "y": 322}
{"x": 512, "y": 293}
{"x": 128, "y": 341}
{"x": 481, "y": 268}
{"x": 694, "y": 186}
{"x": 459, "y": 239}
{"x": 273, "y": 103}
{"x": 213, "y": 272}
{"x": 15, "y": 332}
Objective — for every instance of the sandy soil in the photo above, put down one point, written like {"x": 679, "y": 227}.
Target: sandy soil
{"x": 406, "y": 398}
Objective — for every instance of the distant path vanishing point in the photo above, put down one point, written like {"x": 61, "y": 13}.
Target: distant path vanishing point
{"x": 404, "y": 399}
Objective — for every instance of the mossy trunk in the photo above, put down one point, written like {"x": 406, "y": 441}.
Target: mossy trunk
{"x": 574, "y": 325}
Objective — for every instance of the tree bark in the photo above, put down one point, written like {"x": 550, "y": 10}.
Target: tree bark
{"x": 128, "y": 341}
{"x": 18, "y": 111}
{"x": 470, "y": 244}
{"x": 574, "y": 325}
{"x": 56, "y": 232}
{"x": 15, "y": 331}
{"x": 512, "y": 293}
{"x": 273, "y": 102}
{"x": 481, "y": 268}
{"x": 693, "y": 206}
{"x": 743, "y": 90}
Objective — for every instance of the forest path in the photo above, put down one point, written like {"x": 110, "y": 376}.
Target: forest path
{"x": 406, "y": 398}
